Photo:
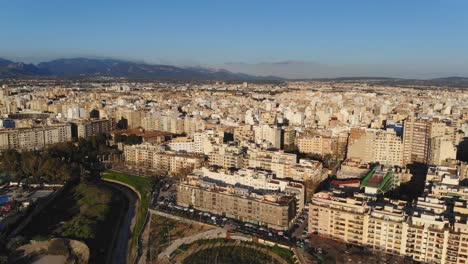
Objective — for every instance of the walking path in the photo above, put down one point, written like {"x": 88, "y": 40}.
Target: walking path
{"x": 210, "y": 234}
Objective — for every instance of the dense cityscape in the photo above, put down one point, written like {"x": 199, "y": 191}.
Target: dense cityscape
{"x": 233, "y": 132}
{"x": 303, "y": 168}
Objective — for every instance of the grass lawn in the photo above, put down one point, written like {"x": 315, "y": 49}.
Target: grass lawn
{"x": 143, "y": 185}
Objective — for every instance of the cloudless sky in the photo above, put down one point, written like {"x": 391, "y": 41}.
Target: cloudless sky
{"x": 202, "y": 32}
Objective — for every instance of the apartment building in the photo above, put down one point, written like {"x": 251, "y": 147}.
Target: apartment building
{"x": 431, "y": 230}
{"x": 226, "y": 156}
{"x": 371, "y": 145}
{"x": 35, "y": 137}
{"x": 155, "y": 158}
{"x": 441, "y": 150}
{"x": 416, "y": 136}
{"x": 193, "y": 125}
{"x": 314, "y": 144}
{"x": 182, "y": 144}
{"x": 257, "y": 179}
{"x": 243, "y": 133}
{"x": 274, "y": 210}
{"x": 133, "y": 118}
{"x": 288, "y": 138}
{"x": 428, "y": 141}
{"x": 306, "y": 170}
{"x": 267, "y": 134}
{"x": 277, "y": 161}
{"x": 89, "y": 128}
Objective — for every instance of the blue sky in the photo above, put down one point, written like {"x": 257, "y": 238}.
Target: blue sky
{"x": 212, "y": 33}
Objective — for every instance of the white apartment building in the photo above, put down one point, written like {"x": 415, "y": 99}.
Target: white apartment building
{"x": 268, "y": 134}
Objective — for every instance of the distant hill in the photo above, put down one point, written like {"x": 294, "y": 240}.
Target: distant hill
{"x": 455, "y": 82}
{"x": 9, "y": 69}
{"x": 84, "y": 67}
{"x": 4, "y": 62}
{"x": 452, "y": 79}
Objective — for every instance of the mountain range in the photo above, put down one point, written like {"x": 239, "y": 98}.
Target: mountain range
{"x": 84, "y": 67}
{"x": 92, "y": 68}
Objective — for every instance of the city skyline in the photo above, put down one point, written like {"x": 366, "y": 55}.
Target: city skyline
{"x": 397, "y": 39}
{"x": 234, "y": 131}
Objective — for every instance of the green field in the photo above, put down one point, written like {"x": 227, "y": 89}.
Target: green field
{"x": 143, "y": 185}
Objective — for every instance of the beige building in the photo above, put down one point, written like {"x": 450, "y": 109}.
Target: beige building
{"x": 35, "y": 137}
{"x": 257, "y": 179}
{"x": 193, "y": 125}
{"x": 276, "y": 161}
{"x": 314, "y": 144}
{"x": 416, "y": 135}
{"x": 226, "y": 156}
{"x": 427, "y": 141}
{"x": 243, "y": 133}
{"x": 441, "y": 150}
{"x": 371, "y": 145}
{"x": 154, "y": 158}
{"x": 133, "y": 117}
{"x": 289, "y": 138}
{"x": 88, "y": 128}
{"x": 272, "y": 210}
{"x": 426, "y": 234}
